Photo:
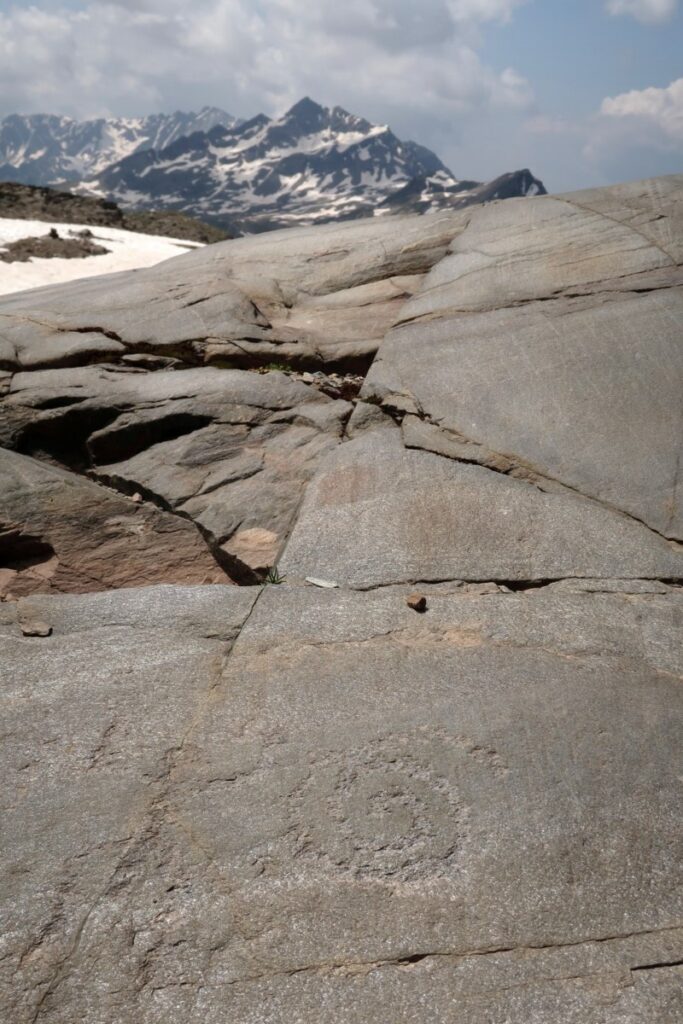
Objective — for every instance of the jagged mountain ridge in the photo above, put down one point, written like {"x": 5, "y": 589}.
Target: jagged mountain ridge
{"x": 311, "y": 165}
{"x": 45, "y": 149}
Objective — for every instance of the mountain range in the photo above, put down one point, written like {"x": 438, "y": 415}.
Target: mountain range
{"x": 313, "y": 164}
{"x": 43, "y": 149}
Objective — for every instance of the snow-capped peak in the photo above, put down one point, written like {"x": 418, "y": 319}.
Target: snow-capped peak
{"x": 43, "y": 149}
{"x": 311, "y": 164}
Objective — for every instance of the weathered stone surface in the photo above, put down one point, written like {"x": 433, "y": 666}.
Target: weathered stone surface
{"x": 34, "y": 628}
{"x": 377, "y": 513}
{"x": 580, "y": 243}
{"x": 94, "y": 718}
{"x": 228, "y": 449}
{"x": 366, "y": 808}
{"x": 652, "y": 208}
{"x": 467, "y": 814}
{"x": 61, "y": 532}
{"x": 304, "y": 296}
{"x": 583, "y": 387}
{"x": 589, "y": 397}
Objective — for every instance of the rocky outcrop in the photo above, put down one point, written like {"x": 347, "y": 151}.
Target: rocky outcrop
{"x": 59, "y": 532}
{"x": 35, "y": 202}
{"x": 430, "y": 776}
{"x": 228, "y": 450}
{"x": 378, "y": 514}
{"x": 52, "y": 246}
{"x": 306, "y": 297}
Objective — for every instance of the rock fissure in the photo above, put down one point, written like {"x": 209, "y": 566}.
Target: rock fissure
{"x": 457, "y": 956}
{"x": 665, "y": 964}
{"x": 509, "y": 465}
{"x": 575, "y": 298}
{"x": 621, "y": 224}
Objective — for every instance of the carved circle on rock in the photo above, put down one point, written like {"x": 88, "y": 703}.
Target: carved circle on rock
{"x": 377, "y": 814}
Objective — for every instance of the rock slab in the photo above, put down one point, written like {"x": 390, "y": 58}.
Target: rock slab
{"x": 358, "y": 808}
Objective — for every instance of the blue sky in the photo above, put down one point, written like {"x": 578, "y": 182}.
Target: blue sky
{"x": 584, "y": 92}
{"x": 575, "y": 52}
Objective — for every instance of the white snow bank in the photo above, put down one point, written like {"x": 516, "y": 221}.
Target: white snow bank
{"x": 129, "y": 250}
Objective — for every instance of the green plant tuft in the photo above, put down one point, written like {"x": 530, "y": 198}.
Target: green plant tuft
{"x": 273, "y": 576}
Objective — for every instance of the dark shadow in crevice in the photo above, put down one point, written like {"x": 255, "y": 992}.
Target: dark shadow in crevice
{"x": 129, "y": 439}
{"x": 657, "y": 966}
{"x": 62, "y": 438}
{"x": 522, "y": 585}
{"x": 20, "y": 551}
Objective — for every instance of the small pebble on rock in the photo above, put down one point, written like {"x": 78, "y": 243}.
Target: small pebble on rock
{"x": 418, "y": 602}
{"x": 137, "y": 498}
{"x": 36, "y": 629}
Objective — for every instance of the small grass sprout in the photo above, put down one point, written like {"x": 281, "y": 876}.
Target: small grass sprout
{"x": 273, "y": 576}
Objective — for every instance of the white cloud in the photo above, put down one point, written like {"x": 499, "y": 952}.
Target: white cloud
{"x": 656, "y": 108}
{"x": 638, "y": 134}
{"x": 484, "y": 10}
{"x": 249, "y": 55}
{"x": 648, "y": 11}
{"x": 544, "y": 124}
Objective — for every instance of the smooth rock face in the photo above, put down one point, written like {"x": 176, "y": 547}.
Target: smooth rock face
{"x": 432, "y": 776}
{"x": 653, "y": 208}
{"x": 307, "y": 296}
{"x": 557, "y": 390}
{"x": 356, "y": 810}
{"x": 584, "y": 387}
{"x": 378, "y": 514}
{"x": 522, "y": 251}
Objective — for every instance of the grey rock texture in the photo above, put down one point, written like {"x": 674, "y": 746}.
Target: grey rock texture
{"x": 227, "y": 449}
{"x": 312, "y": 801}
{"x": 551, "y": 337}
{"x": 377, "y": 514}
{"x": 309, "y": 296}
{"x": 108, "y": 699}
{"x": 360, "y": 809}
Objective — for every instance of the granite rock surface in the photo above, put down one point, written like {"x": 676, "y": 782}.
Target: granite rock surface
{"x": 433, "y": 775}
{"x": 306, "y": 297}
{"x": 354, "y": 807}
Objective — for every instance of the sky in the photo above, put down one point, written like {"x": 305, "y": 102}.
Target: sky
{"x": 583, "y": 92}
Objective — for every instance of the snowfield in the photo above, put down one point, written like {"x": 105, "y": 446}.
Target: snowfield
{"x": 129, "y": 250}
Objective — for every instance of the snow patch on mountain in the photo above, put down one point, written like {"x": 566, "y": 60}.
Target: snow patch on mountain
{"x": 311, "y": 165}
{"x": 43, "y": 149}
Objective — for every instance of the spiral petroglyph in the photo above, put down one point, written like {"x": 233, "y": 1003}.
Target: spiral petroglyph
{"x": 377, "y": 813}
